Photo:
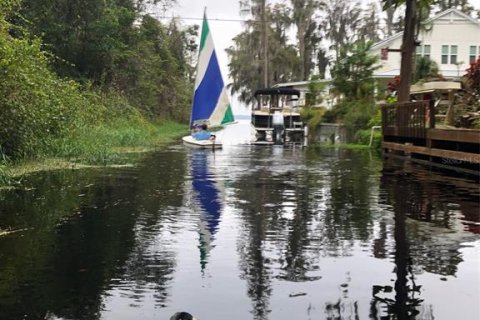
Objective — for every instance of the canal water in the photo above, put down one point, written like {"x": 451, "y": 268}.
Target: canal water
{"x": 246, "y": 232}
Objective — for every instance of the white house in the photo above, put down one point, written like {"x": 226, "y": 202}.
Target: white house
{"x": 451, "y": 39}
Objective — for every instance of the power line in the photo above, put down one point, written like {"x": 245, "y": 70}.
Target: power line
{"x": 209, "y": 19}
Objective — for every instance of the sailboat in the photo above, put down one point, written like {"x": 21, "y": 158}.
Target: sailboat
{"x": 211, "y": 105}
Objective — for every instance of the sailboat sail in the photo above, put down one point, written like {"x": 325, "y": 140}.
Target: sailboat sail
{"x": 210, "y": 100}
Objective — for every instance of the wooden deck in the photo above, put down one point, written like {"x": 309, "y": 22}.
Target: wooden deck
{"x": 409, "y": 129}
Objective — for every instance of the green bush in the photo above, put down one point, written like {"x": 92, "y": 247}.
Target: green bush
{"x": 312, "y": 116}
{"x": 363, "y": 137}
{"x": 356, "y": 114}
{"x": 35, "y": 105}
{"x": 43, "y": 115}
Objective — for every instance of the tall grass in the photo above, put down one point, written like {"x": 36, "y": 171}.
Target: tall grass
{"x": 5, "y": 177}
{"x": 107, "y": 143}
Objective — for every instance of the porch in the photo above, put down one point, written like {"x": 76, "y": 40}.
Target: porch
{"x": 410, "y": 130}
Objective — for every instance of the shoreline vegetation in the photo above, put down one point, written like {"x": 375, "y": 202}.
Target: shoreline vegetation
{"x": 93, "y": 98}
{"x": 102, "y": 146}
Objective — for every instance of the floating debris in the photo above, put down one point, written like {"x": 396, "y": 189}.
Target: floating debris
{"x": 7, "y": 232}
{"x": 299, "y": 294}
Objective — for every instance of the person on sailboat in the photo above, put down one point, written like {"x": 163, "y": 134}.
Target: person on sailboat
{"x": 203, "y": 134}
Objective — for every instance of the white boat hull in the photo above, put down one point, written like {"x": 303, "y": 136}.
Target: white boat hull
{"x": 206, "y": 144}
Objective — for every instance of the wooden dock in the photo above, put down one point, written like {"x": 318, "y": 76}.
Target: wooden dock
{"x": 410, "y": 130}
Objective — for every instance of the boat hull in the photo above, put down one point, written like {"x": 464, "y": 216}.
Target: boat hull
{"x": 265, "y": 133}
{"x": 276, "y": 117}
{"x": 205, "y": 144}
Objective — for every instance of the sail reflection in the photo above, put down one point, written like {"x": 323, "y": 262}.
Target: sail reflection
{"x": 207, "y": 199}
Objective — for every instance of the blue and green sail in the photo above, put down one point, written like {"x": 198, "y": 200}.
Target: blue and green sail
{"x": 210, "y": 100}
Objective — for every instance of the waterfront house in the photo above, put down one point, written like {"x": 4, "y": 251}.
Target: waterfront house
{"x": 451, "y": 39}
{"x": 417, "y": 130}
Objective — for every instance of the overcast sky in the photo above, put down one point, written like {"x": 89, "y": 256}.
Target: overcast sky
{"x": 222, "y": 31}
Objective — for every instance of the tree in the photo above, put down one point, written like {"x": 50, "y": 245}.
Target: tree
{"x": 245, "y": 65}
{"x": 116, "y": 47}
{"x": 315, "y": 88}
{"x": 87, "y": 36}
{"x": 307, "y": 39}
{"x": 158, "y": 74}
{"x": 462, "y": 5}
{"x": 352, "y": 75}
{"x": 255, "y": 63}
{"x": 472, "y": 78}
{"x": 284, "y": 61}
{"x": 323, "y": 62}
{"x": 258, "y": 10}
{"x": 394, "y": 20}
{"x": 352, "y": 79}
{"x": 342, "y": 20}
{"x": 370, "y": 24}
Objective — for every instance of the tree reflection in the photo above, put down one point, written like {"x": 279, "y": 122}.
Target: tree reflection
{"x": 293, "y": 214}
{"x": 421, "y": 200}
{"x": 151, "y": 261}
{"x": 405, "y": 304}
{"x": 88, "y": 231}
{"x": 253, "y": 264}
{"x": 433, "y": 207}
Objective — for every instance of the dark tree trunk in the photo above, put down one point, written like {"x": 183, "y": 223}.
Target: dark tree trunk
{"x": 408, "y": 47}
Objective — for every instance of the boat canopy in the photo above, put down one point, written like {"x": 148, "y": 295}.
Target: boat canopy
{"x": 277, "y": 91}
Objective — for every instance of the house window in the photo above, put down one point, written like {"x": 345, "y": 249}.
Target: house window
{"x": 474, "y": 53}
{"x": 453, "y": 54}
{"x": 418, "y": 51}
{"x": 426, "y": 50}
{"x": 423, "y": 51}
{"x": 444, "y": 54}
{"x": 449, "y": 52}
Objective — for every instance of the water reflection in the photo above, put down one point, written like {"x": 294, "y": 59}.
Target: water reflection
{"x": 294, "y": 215}
{"x": 417, "y": 197}
{"x": 441, "y": 212}
{"x": 207, "y": 198}
{"x": 144, "y": 278}
{"x": 405, "y": 304}
{"x": 245, "y": 232}
{"x": 56, "y": 267}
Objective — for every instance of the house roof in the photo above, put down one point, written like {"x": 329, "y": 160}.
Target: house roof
{"x": 382, "y": 43}
{"x": 442, "y": 14}
{"x": 455, "y": 11}
{"x": 299, "y": 85}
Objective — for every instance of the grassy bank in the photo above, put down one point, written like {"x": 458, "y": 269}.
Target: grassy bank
{"x": 48, "y": 120}
{"x": 104, "y": 145}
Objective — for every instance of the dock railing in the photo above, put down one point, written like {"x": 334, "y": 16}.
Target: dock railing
{"x": 408, "y": 119}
